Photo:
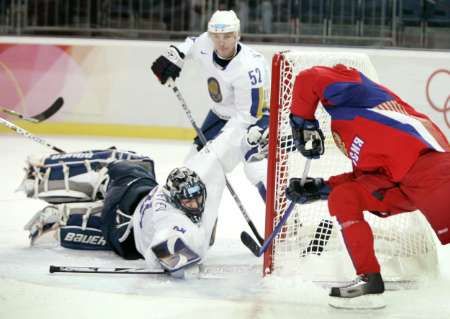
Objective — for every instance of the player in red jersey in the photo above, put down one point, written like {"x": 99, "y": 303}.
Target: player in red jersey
{"x": 400, "y": 159}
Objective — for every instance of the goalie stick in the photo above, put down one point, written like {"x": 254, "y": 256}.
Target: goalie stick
{"x": 188, "y": 273}
{"x": 27, "y": 134}
{"x": 49, "y": 112}
{"x": 202, "y": 137}
{"x": 251, "y": 244}
{"x": 105, "y": 270}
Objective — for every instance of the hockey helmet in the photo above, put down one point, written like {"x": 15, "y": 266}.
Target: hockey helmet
{"x": 187, "y": 192}
{"x": 223, "y": 21}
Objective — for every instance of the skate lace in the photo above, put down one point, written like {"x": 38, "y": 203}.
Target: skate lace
{"x": 357, "y": 280}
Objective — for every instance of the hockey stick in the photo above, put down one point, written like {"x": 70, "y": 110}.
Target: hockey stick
{"x": 251, "y": 244}
{"x": 50, "y": 111}
{"x": 105, "y": 270}
{"x": 202, "y": 137}
{"x": 200, "y": 272}
{"x": 27, "y": 134}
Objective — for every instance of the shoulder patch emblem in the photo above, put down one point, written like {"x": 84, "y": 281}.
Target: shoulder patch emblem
{"x": 214, "y": 90}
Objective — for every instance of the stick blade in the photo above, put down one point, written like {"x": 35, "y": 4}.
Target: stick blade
{"x": 104, "y": 270}
{"x": 250, "y": 243}
{"x": 53, "y": 269}
{"x": 55, "y": 107}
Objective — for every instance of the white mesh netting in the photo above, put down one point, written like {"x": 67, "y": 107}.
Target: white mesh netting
{"x": 310, "y": 244}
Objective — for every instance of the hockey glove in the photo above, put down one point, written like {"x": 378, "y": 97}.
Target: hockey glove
{"x": 304, "y": 131}
{"x": 168, "y": 65}
{"x": 313, "y": 189}
{"x": 174, "y": 254}
{"x": 257, "y": 137}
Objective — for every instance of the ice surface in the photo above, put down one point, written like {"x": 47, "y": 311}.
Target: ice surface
{"x": 231, "y": 288}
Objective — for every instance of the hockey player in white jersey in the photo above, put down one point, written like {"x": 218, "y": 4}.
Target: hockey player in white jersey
{"x": 182, "y": 212}
{"x": 171, "y": 225}
{"x": 236, "y": 77}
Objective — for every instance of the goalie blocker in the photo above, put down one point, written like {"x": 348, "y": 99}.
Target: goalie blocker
{"x": 174, "y": 255}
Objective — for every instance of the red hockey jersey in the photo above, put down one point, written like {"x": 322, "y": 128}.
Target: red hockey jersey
{"x": 377, "y": 130}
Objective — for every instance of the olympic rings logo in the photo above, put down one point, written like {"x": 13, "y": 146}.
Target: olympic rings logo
{"x": 435, "y": 79}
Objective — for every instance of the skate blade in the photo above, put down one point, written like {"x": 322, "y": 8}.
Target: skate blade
{"x": 365, "y": 302}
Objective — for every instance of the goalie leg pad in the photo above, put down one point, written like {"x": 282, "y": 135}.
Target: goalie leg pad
{"x": 75, "y": 235}
{"x": 52, "y": 218}
{"x": 173, "y": 254}
{"x": 74, "y": 177}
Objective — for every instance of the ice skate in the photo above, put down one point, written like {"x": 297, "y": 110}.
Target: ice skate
{"x": 43, "y": 222}
{"x": 365, "y": 292}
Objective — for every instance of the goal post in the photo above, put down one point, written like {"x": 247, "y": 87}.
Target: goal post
{"x": 271, "y": 159}
{"x": 310, "y": 243}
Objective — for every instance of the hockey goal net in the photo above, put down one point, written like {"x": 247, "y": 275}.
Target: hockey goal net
{"x": 310, "y": 243}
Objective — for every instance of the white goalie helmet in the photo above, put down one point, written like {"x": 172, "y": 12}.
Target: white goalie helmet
{"x": 223, "y": 21}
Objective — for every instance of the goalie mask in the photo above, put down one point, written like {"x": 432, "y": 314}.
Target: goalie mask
{"x": 187, "y": 191}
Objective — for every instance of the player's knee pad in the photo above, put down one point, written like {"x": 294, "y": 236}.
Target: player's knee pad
{"x": 130, "y": 182}
{"x": 345, "y": 201}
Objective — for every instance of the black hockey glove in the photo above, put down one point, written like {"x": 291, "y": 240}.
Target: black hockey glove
{"x": 168, "y": 65}
{"x": 313, "y": 189}
{"x": 304, "y": 131}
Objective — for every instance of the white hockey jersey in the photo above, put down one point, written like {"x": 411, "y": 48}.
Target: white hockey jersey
{"x": 240, "y": 89}
{"x": 156, "y": 219}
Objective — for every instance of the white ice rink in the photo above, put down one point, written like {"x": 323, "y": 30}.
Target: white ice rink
{"x": 232, "y": 288}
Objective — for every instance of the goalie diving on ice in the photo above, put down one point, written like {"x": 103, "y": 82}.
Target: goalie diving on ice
{"x": 110, "y": 200}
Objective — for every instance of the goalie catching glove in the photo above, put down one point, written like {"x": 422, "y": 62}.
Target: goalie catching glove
{"x": 313, "y": 189}
{"x": 304, "y": 131}
{"x": 168, "y": 65}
